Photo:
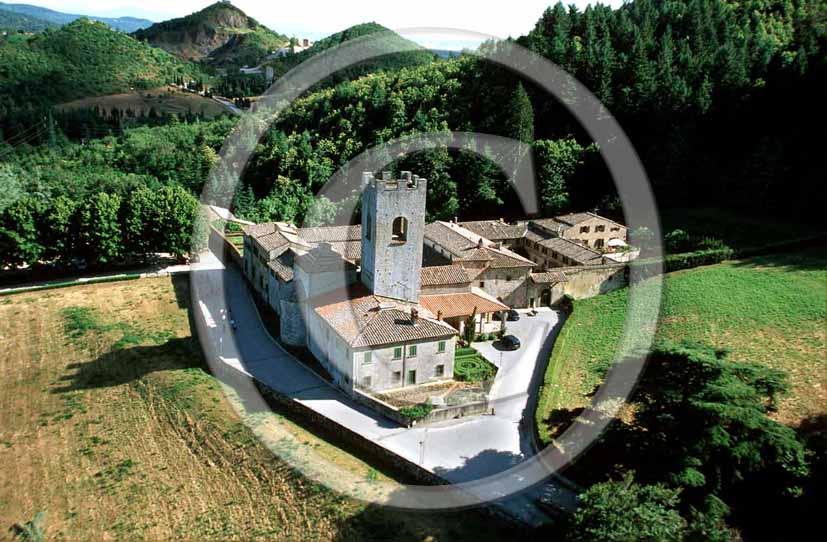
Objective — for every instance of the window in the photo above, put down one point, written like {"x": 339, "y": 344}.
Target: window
{"x": 508, "y": 278}
{"x": 368, "y": 227}
{"x": 440, "y": 347}
{"x": 412, "y": 351}
{"x": 368, "y": 358}
{"x": 397, "y": 352}
{"x": 585, "y": 242}
{"x": 600, "y": 228}
{"x": 439, "y": 371}
{"x": 482, "y": 284}
{"x": 366, "y": 381}
{"x": 615, "y": 229}
{"x": 412, "y": 377}
{"x": 598, "y": 243}
{"x": 584, "y": 229}
{"x": 399, "y": 231}
{"x": 397, "y": 377}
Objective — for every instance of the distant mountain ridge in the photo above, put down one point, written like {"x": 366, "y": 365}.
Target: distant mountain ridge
{"x": 221, "y": 28}
{"x": 18, "y": 22}
{"x": 57, "y": 18}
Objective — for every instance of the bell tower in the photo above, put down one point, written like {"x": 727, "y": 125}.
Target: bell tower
{"x": 393, "y": 228}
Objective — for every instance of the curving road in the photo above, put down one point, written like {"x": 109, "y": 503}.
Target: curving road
{"x": 458, "y": 451}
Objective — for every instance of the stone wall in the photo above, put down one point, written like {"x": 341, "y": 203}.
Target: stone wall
{"x": 508, "y": 285}
{"x": 458, "y": 411}
{"x": 593, "y": 280}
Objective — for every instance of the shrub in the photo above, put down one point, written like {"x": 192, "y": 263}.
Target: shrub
{"x": 473, "y": 369}
{"x": 417, "y": 412}
{"x": 689, "y": 260}
{"x": 676, "y": 241}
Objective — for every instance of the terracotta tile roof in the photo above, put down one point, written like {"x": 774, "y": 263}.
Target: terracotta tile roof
{"x": 272, "y": 241}
{"x": 444, "y": 275}
{"x": 323, "y": 259}
{"x": 575, "y": 251}
{"x": 466, "y": 245}
{"x": 573, "y": 219}
{"x": 443, "y": 234}
{"x": 462, "y": 304}
{"x": 363, "y": 319}
{"x": 331, "y": 234}
{"x": 496, "y": 230}
{"x": 273, "y": 235}
{"x": 350, "y": 250}
{"x": 549, "y": 277}
{"x": 283, "y": 265}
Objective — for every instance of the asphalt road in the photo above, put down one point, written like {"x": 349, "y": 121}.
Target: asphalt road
{"x": 462, "y": 450}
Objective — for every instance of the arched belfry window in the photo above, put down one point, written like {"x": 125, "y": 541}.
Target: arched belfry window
{"x": 399, "y": 233}
{"x": 368, "y": 228}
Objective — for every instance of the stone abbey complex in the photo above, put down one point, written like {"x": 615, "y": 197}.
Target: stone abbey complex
{"x": 381, "y": 305}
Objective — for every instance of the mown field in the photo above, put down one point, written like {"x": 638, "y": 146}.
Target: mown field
{"x": 163, "y": 100}
{"x": 110, "y": 425}
{"x": 769, "y": 309}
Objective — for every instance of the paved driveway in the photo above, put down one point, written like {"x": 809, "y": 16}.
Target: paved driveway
{"x": 459, "y": 451}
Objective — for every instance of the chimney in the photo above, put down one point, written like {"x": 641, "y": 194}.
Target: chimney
{"x": 414, "y": 317}
{"x": 439, "y": 315}
{"x": 480, "y": 243}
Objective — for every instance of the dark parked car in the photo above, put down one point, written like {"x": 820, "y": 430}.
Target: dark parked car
{"x": 510, "y": 342}
{"x": 511, "y": 315}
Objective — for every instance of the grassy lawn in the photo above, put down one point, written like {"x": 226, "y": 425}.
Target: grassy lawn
{"x": 771, "y": 310}
{"x": 109, "y": 425}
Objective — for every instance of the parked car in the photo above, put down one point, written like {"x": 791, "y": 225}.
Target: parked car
{"x": 510, "y": 315}
{"x": 510, "y": 342}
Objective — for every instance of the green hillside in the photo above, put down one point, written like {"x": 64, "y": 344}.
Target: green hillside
{"x": 221, "y": 33}
{"x": 81, "y": 59}
{"x": 17, "y": 22}
{"x": 389, "y": 41}
{"x": 769, "y": 310}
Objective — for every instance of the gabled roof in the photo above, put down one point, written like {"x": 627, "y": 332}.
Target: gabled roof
{"x": 496, "y": 230}
{"x": 444, "y": 275}
{"x": 323, "y": 259}
{"x": 565, "y": 247}
{"x": 331, "y": 234}
{"x": 364, "y": 320}
{"x": 282, "y": 265}
{"x": 548, "y": 277}
{"x": 274, "y": 235}
{"x": 461, "y": 304}
{"x": 466, "y": 245}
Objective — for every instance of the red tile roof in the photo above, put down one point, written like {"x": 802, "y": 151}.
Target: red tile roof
{"x": 463, "y": 304}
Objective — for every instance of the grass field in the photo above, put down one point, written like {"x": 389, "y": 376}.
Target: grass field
{"x": 163, "y": 100}
{"x": 771, "y": 310}
{"x": 109, "y": 425}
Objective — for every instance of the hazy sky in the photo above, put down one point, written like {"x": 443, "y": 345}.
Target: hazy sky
{"x": 318, "y": 18}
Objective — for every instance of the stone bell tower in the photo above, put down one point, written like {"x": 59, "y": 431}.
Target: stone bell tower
{"x": 393, "y": 228}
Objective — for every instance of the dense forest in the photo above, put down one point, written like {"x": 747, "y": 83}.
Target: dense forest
{"x": 80, "y": 59}
{"x": 710, "y": 92}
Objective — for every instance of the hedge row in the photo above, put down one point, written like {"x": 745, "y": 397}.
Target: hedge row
{"x": 473, "y": 368}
